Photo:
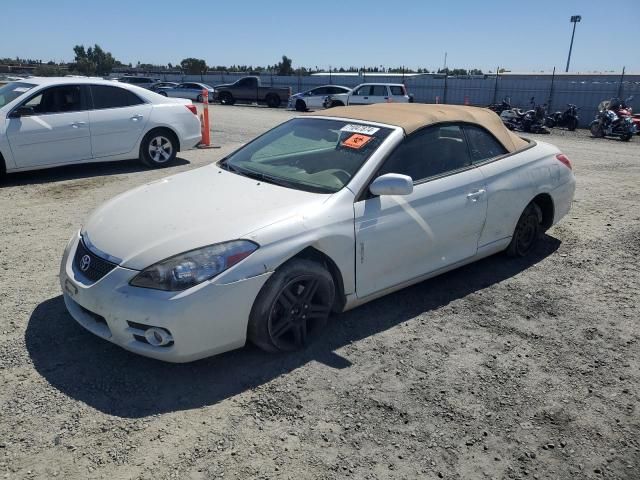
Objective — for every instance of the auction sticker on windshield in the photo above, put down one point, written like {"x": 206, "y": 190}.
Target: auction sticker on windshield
{"x": 356, "y": 141}
{"x": 364, "y": 129}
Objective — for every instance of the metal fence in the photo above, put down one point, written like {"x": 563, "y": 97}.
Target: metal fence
{"x": 555, "y": 90}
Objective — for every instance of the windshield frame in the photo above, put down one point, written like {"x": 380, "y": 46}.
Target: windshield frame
{"x": 19, "y": 84}
{"x": 296, "y": 183}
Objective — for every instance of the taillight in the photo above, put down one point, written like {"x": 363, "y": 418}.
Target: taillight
{"x": 192, "y": 108}
{"x": 562, "y": 158}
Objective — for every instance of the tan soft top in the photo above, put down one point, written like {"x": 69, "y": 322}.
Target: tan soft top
{"x": 413, "y": 116}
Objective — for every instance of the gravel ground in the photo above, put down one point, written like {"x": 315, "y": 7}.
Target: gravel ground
{"x": 501, "y": 369}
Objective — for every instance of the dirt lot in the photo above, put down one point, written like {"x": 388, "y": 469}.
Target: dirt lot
{"x": 502, "y": 369}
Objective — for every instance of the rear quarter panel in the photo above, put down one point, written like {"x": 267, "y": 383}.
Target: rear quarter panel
{"x": 176, "y": 117}
{"x": 512, "y": 182}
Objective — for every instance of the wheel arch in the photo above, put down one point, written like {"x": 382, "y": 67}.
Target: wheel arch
{"x": 315, "y": 255}
{"x": 3, "y": 166}
{"x": 545, "y": 202}
{"x": 162, "y": 127}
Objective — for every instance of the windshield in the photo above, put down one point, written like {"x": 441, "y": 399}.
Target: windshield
{"x": 11, "y": 91}
{"x": 308, "y": 153}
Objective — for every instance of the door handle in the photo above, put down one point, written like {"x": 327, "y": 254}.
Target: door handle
{"x": 137, "y": 117}
{"x": 474, "y": 196}
{"x": 78, "y": 124}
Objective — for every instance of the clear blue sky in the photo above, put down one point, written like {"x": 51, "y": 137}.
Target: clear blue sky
{"x": 519, "y": 35}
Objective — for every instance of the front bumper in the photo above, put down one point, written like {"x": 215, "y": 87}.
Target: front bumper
{"x": 205, "y": 320}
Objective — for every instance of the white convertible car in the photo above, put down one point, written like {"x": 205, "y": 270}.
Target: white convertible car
{"x": 320, "y": 214}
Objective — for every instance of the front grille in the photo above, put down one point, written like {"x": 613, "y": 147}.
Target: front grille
{"x": 89, "y": 265}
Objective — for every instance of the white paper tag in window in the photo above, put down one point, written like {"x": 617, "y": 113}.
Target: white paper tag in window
{"x": 364, "y": 129}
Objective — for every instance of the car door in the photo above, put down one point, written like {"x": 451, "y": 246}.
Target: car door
{"x": 55, "y": 131}
{"x": 398, "y": 94}
{"x": 360, "y": 96}
{"x": 316, "y": 97}
{"x": 117, "y": 119}
{"x": 400, "y": 238}
{"x": 246, "y": 89}
{"x": 378, "y": 94}
{"x": 508, "y": 182}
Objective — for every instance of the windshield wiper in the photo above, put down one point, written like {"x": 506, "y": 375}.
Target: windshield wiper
{"x": 270, "y": 179}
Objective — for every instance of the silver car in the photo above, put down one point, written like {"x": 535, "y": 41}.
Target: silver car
{"x": 190, "y": 90}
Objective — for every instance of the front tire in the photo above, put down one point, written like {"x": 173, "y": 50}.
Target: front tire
{"x": 226, "y": 98}
{"x": 626, "y": 137}
{"x": 158, "y": 148}
{"x": 527, "y": 232}
{"x": 301, "y": 106}
{"x": 572, "y": 124}
{"x": 292, "y": 308}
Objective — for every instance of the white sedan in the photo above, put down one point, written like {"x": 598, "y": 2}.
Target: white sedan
{"x": 48, "y": 122}
{"x": 314, "y": 98}
{"x": 320, "y": 214}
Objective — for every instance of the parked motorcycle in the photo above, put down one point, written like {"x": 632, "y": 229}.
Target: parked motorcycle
{"x": 501, "y": 107}
{"x": 568, "y": 118}
{"x": 622, "y": 108}
{"x": 530, "y": 121}
{"x": 608, "y": 123}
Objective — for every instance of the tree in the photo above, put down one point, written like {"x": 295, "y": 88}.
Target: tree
{"x": 284, "y": 67}
{"x": 93, "y": 60}
{"x": 193, "y": 66}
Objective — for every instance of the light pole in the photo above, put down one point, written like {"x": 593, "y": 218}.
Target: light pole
{"x": 574, "y": 19}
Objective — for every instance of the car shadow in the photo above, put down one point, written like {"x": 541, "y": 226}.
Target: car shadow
{"x": 78, "y": 171}
{"x": 116, "y": 382}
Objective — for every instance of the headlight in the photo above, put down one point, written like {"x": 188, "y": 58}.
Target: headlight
{"x": 193, "y": 267}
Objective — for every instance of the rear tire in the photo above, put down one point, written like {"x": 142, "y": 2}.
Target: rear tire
{"x": 164, "y": 94}
{"x": 292, "y": 308}
{"x": 158, "y": 148}
{"x": 626, "y": 137}
{"x": 572, "y": 125}
{"x": 596, "y": 130}
{"x": 273, "y": 101}
{"x": 527, "y": 231}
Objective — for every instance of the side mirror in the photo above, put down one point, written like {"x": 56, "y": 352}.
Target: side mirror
{"x": 22, "y": 112}
{"x": 392, "y": 184}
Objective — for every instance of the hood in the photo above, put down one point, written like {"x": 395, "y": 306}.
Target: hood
{"x": 186, "y": 211}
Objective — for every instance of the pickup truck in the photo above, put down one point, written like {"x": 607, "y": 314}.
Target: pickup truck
{"x": 249, "y": 90}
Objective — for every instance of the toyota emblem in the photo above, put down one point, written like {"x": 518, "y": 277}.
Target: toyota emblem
{"x": 85, "y": 262}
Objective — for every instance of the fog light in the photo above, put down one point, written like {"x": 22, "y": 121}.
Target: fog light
{"x": 158, "y": 337}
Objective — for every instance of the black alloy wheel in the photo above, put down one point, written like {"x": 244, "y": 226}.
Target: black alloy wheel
{"x": 293, "y": 307}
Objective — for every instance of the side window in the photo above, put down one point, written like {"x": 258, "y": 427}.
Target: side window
{"x": 433, "y": 151}
{"x": 482, "y": 144}
{"x": 362, "y": 91}
{"x": 321, "y": 91}
{"x": 113, "y": 97}
{"x": 379, "y": 90}
{"x": 396, "y": 90}
{"x": 66, "y": 98}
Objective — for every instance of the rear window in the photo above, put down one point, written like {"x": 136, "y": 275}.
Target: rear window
{"x": 113, "y": 97}
{"x": 397, "y": 90}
